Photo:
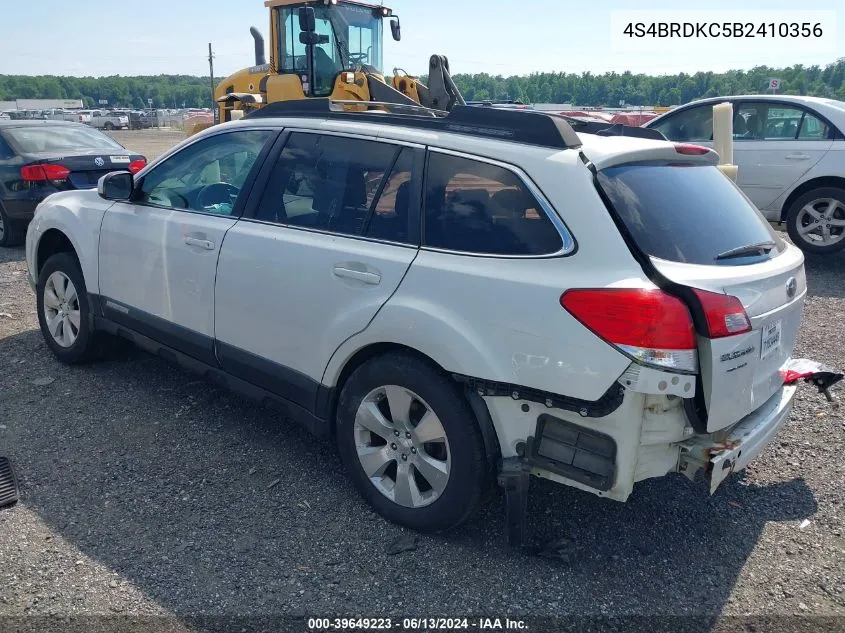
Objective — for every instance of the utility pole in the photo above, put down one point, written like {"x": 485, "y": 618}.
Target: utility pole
{"x": 211, "y": 69}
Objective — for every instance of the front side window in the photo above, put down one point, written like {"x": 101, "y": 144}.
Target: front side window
{"x": 476, "y": 207}
{"x": 206, "y": 176}
{"x": 331, "y": 183}
{"x": 693, "y": 124}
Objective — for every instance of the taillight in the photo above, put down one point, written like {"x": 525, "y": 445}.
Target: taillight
{"x": 36, "y": 173}
{"x": 650, "y": 326}
{"x": 137, "y": 165}
{"x": 724, "y": 313}
{"x": 688, "y": 149}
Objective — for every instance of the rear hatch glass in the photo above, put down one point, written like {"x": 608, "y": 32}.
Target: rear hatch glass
{"x": 700, "y": 232}
{"x": 688, "y": 214}
{"x": 60, "y": 138}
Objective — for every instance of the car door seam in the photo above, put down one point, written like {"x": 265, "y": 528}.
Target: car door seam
{"x": 373, "y": 318}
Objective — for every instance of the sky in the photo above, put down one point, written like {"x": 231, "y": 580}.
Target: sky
{"x": 500, "y": 37}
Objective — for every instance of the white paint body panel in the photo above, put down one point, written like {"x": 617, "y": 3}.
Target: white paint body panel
{"x": 279, "y": 297}
{"x": 146, "y": 264}
{"x": 78, "y": 215}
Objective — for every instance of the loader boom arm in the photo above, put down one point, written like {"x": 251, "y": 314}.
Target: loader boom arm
{"x": 441, "y": 92}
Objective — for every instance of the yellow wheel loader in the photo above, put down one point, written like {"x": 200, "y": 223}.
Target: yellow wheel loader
{"x": 330, "y": 49}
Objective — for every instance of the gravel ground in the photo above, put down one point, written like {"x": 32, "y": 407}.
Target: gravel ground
{"x": 148, "y": 492}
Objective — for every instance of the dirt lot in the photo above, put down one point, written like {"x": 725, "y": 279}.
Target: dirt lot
{"x": 150, "y": 143}
{"x": 146, "y": 491}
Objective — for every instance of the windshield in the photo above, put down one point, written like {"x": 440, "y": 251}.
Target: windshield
{"x": 351, "y": 38}
{"x": 59, "y": 138}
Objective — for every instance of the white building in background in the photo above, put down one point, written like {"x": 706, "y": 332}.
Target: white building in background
{"x": 41, "y": 104}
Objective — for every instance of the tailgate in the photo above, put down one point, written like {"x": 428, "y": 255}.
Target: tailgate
{"x": 699, "y": 237}
{"x": 741, "y": 372}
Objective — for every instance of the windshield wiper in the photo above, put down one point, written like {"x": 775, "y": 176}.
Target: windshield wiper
{"x": 762, "y": 248}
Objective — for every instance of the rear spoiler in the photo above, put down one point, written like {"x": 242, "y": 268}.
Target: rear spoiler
{"x": 600, "y": 128}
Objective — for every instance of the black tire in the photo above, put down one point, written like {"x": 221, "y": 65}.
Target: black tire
{"x": 86, "y": 347}
{"x": 468, "y": 471}
{"x": 12, "y": 232}
{"x": 109, "y": 125}
{"x": 793, "y": 218}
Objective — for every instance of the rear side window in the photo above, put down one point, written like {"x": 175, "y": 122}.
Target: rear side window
{"x": 331, "y": 183}
{"x": 686, "y": 214}
{"x": 475, "y": 207}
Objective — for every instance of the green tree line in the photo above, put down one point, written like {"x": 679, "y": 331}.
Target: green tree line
{"x": 609, "y": 89}
{"x": 166, "y": 91}
{"x": 584, "y": 89}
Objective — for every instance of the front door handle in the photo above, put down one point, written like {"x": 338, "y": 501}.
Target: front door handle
{"x": 797, "y": 156}
{"x": 358, "y": 275}
{"x": 195, "y": 241}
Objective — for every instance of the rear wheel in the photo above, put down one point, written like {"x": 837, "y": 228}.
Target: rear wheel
{"x": 816, "y": 220}
{"x": 12, "y": 233}
{"x": 63, "y": 312}
{"x": 109, "y": 125}
{"x": 410, "y": 443}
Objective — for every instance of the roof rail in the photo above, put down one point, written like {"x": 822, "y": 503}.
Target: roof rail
{"x": 522, "y": 126}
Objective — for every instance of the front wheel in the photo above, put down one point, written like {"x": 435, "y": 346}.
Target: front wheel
{"x": 816, "y": 221}
{"x": 410, "y": 443}
{"x": 63, "y": 312}
{"x": 109, "y": 125}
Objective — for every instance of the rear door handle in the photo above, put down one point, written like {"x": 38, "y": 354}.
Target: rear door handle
{"x": 797, "y": 156}
{"x": 195, "y": 241}
{"x": 358, "y": 275}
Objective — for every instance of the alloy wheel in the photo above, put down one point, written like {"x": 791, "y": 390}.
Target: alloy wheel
{"x": 402, "y": 446}
{"x": 61, "y": 309}
{"x": 822, "y": 222}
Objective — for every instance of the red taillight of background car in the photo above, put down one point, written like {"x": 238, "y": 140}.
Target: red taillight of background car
{"x": 39, "y": 173}
{"x": 651, "y": 326}
{"x": 724, "y": 313}
{"x": 137, "y": 165}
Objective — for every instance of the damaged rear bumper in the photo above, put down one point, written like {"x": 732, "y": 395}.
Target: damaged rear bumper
{"x": 721, "y": 454}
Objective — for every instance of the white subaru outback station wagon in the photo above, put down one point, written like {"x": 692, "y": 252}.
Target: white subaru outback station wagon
{"x": 454, "y": 299}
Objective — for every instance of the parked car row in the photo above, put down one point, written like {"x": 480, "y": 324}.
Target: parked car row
{"x": 107, "y": 119}
{"x": 42, "y": 157}
{"x": 450, "y": 304}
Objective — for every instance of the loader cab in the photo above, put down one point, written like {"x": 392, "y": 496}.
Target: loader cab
{"x": 318, "y": 40}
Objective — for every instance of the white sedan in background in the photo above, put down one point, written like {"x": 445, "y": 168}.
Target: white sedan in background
{"x": 791, "y": 156}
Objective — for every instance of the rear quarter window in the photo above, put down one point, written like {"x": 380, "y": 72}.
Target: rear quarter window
{"x": 477, "y": 207}
{"x": 688, "y": 214}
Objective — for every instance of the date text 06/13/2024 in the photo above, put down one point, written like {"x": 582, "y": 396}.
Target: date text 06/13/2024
{"x": 416, "y": 624}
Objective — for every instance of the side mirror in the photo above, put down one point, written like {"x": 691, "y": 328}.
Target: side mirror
{"x": 307, "y": 22}
{"x": 116, "y": 185}
{"x": 395, "y": 29}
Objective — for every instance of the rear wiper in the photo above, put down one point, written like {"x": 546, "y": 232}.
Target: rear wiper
{"x": 749, "y": 249}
